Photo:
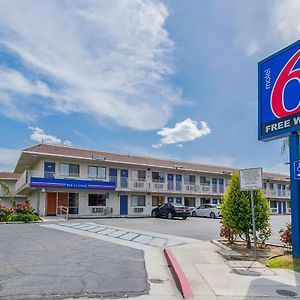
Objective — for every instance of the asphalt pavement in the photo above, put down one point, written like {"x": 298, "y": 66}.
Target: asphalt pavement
{"x": 205, "y": 229}
{"x": 42, "y": 263}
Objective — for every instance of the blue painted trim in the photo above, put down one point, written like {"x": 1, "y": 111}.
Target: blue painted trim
{"x": 295, "y": 195}
{"x": 55, "y": 183}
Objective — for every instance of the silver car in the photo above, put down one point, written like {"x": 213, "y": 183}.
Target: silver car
{"x": 207, "y": 210}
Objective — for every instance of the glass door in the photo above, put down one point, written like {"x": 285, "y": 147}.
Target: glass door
{"x": 73, "y": 203}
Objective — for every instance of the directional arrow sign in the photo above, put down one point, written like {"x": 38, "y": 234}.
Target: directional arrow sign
{"x": 297, "y": 170}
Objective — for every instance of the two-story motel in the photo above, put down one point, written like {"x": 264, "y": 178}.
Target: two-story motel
{"x": 96, "y": 183}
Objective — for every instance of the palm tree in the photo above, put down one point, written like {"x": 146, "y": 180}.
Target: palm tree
{"x": 285, "y": 146}
{"x": 7, "y": 193}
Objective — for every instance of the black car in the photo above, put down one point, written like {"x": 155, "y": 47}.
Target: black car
{"x": 171, "y": 210}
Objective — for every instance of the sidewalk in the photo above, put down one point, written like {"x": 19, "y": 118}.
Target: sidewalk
{"x": 212, "y": 277}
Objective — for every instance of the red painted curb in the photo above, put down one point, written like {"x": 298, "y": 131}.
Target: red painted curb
{"x": 179, "y": 277}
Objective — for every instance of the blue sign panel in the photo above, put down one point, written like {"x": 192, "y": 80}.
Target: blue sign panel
{"x": 297, "y": 170}
{"x": 40, "y": 182}
{"x": 279, "y": 93}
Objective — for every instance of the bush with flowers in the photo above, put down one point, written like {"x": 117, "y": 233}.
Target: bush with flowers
{"x": 21, "y": 212}
{"x": 286, "y": 237}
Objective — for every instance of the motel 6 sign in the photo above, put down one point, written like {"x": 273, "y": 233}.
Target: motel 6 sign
{"x": 279, "y": 94}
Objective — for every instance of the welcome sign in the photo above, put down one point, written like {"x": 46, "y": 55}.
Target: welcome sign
{"x": 279, "y": 93}
{"x": 40, "y": 182}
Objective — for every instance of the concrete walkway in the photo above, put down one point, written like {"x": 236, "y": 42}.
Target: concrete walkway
{"x": 213, "y": 277}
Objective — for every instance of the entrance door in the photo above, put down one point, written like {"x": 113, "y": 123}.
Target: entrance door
{"x": 73, "y": 203}
{"x": 279, "y": 207}
{"x": 123, "y": 205}
{"x": 51, "y": 204}
{"x": 284, "y": 207}
{"x": 62, "y": 200}
{"x": 49, "y": 170}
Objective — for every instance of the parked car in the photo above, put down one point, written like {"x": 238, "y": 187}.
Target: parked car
{"x": 207, "y": 210}
{"x": 171, "y": 210}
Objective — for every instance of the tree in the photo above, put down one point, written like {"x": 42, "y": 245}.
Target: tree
{"x": 236, "y": 210}
{"x": 6, "y": 192}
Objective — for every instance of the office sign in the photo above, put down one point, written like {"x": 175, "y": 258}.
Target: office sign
{"x": 279, "y": 93}
{"x": 55, "y": 183}
{"x": 251, "y": 179}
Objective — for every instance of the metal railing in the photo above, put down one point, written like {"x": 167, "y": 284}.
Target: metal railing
{"x": 63, "y": 210}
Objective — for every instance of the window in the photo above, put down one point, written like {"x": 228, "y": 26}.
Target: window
{"x": 189, "y": 179}
{"x": 158, "y": 177}
{"x": 139, "y": 175}
{"x": 204, "y": 180}
{"x": 271, "y": 185}
{"x": 265, "y": 185}
{"x": 190, "y": 201}
{"x": 221, "y": 185}
{"x": 138, "y": 200}
{"x": 70, "y": 170}
{"x": 273, "y": 204}
{"x": 204, "y": 200}
{"x": 97, "y": 200}
{"x": 97, "y": 172}
{"x": 158, "y": 200}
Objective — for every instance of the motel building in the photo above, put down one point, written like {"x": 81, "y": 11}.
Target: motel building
{"x": 96, "y": 183}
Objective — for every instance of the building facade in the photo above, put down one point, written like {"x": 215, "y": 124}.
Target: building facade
{"x": 95, "y": 183}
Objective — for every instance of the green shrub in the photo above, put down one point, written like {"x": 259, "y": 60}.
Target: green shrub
{"x": 26, "y": 217}
{"x": 236, "y": 210}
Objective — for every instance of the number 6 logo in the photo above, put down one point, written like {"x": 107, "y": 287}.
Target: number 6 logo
{"x": 277, "y": 97}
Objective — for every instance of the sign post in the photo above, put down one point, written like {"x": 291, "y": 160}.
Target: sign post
{"x": 279, "y": 116}
{"x": 251, "y": 180}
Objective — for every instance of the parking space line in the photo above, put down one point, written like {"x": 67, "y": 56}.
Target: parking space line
{"x": 149, "y": 240}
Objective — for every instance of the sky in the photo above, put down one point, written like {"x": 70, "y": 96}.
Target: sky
{"x": 165, "y": 78}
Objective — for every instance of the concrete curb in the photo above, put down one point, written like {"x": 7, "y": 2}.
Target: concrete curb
{"x": 178, "y": 275}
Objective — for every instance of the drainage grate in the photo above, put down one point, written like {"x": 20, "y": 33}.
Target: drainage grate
{"x": 156, "y": 280}
{"x": 286, "y": 293}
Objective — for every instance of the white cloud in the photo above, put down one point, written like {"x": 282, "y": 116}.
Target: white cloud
{"x": 184, "y": 131}
{"x": 110, "y": 59}
{"x": 266, "y": 26}
{"x": 8, "y": 158}
{"x": 39, "y": 135}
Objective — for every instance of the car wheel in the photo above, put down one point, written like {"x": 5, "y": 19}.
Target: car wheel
{"x": 170, "y": 215}
{"x": 154, "y": 214}
{"x": 212, "y": 215}
{"x": 184, "y": 218}
{"x": 194, "y": 214}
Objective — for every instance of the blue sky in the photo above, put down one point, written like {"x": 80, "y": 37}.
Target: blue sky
{"x": 175, "y": 79}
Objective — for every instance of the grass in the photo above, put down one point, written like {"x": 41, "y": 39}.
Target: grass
{"x": 284, "y": 262}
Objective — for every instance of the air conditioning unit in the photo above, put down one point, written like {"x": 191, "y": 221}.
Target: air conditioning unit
{"x": 108, "y": 210}
{"x": 138, "y": 209}
{"x": 97, "y": 210}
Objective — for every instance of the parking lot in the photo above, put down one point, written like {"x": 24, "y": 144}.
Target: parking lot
{"x": 42, "y": 263}
{"x": 197, "y": 228}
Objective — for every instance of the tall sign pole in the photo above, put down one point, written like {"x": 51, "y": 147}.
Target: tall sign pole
{"x": 295, "y": 192}
{"x": 279, "y": 116}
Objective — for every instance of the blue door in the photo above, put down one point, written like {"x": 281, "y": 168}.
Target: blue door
{"x": 49, "y": 169}
{"x": 178, "y": 182}
{"x": 124, "y": 179}
{"x": 113, "y": 175}
{"x": 279, "y": 207}
{"x": 123, "y": 205}
{"x": 170, "y": 182}
{"x": 178, "y": 200}
{"x": 170, "y": 199}
{"x": 284, "y": 207}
